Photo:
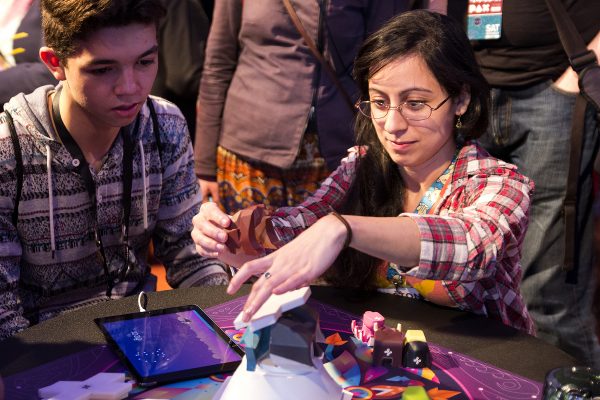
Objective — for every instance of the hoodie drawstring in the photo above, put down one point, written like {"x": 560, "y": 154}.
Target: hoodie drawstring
{"x": 145, "y": 185}
{"x": 50, "y": 198}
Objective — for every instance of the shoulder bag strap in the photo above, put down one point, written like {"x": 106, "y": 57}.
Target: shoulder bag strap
{"x": 579, "y": 58}
{"x": 19, "y": 166}
{"x": 318, "y": 55}
{"x": 575, "y": 47}
{"x": 570, "y": 203}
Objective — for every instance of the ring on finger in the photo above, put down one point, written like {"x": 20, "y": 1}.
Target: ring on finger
{"x": 267, "y": 275}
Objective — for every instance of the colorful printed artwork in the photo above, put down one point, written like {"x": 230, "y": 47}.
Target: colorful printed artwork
{"x": 453, "y": 375}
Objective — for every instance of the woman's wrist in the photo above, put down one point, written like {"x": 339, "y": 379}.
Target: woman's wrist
{"x": 343, "y": 220}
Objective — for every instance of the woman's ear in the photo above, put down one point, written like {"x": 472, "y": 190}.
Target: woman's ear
{"x": 53, "y": 63}
{"x": 463, "y": 100}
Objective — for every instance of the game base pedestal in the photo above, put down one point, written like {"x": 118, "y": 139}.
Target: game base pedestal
{"x": 266, "y": 383}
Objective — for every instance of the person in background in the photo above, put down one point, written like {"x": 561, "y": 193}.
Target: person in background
{"x": 20, "y": 40}
{"x": 418, "y": 209}
{"x": 94, "y": 169}
{"x": 182, "y": 36}
{"x": 271, "y": 122}
{"x": 533, "y": 97}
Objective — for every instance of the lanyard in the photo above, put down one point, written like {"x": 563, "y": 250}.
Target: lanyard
{"x": 435, "y": 190}
{"x": 83, "y": 169}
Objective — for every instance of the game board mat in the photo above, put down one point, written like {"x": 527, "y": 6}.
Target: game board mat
{"x": 452, "y": 376}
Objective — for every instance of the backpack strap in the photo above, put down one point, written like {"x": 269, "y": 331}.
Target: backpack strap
{"x": 155, "y": 128}
{"x": 19, "y": 165}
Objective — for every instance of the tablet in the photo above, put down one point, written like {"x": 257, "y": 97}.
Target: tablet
{"x": 170, "y": 344}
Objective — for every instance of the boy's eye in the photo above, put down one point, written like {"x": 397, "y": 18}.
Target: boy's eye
{"x": 100, "y": 71}
{"x": 147, "y": 62}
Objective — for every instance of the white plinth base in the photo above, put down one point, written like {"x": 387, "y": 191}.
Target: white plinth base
{"x": 272, "y": 383}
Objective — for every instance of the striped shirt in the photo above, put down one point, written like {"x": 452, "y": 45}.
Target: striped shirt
{"x": 49, "y": 262}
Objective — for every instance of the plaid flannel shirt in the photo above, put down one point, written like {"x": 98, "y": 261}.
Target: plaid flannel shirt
{"x": 471, "y": 240}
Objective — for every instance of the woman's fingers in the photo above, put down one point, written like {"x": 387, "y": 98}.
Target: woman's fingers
{"x": 268, "y": 284}
{"x": 273, "y": 281}
{"x": 261, "y": 291}
{"x": 293, "y": 282}
{"x": 249, "y": 269}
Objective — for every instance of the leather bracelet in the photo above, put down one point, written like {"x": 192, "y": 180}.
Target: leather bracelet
{"x": 348, "y": 229}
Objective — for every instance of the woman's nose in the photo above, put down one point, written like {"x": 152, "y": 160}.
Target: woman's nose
{"x": 395, "y": 121}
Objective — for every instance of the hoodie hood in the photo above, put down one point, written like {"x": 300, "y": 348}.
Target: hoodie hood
{"x": 31, "y": 111}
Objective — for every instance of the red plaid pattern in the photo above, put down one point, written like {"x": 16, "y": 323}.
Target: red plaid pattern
{"x": 471, "y": 241}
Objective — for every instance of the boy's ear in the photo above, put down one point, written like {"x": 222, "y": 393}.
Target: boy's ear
{"x": 463, "y": 100}
{"x": 49, "y": 57}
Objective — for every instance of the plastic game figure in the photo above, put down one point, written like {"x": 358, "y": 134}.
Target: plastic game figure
{"x": 416, "y": 352}
{"x": 293, "y": 337}
{"x": 388, "y": 348}
{"x": 283, "y": 358}
{"x": 372, "y": 321}
{"x": 394, "y": 348}
{"x": 415, "y": 393}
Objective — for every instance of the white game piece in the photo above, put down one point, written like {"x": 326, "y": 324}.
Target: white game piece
{"x": 278, "y": 373}
{"x": 272, "y": 309}
{"x": 102, "y": 386}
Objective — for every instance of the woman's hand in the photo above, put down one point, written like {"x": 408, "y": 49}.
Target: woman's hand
{"x": 294, "y": 265}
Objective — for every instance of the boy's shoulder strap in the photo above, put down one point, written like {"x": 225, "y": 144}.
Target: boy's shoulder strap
{"x": 19, "y": 165}
{"x": 155, "y": 126}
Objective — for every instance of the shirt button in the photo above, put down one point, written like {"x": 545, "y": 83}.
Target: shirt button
{"x": 75, "y": 162}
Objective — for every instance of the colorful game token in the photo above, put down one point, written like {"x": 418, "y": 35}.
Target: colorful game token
{"x": 415, "y": 393}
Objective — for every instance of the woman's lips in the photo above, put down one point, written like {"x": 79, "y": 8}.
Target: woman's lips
{"x": 400, "y": 145}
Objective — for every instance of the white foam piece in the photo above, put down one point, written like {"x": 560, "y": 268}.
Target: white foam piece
{"x": 272, "y": 309}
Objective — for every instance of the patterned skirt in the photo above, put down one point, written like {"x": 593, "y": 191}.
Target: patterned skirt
{"x": 244, "y": 182}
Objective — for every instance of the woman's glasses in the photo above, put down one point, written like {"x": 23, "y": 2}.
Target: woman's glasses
{"x": 411, "y": 110}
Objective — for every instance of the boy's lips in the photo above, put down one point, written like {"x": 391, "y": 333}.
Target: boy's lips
{"x": 125, "y": 107}
{"x": 126, "y": 110}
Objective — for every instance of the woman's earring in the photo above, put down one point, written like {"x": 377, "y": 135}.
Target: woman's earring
{"x": 458, "y": 123}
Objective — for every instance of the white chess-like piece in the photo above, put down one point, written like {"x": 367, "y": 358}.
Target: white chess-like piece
{"x": 105, "y": 386}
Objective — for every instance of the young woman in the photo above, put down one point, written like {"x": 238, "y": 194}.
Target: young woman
{"x": 425, "y": 211}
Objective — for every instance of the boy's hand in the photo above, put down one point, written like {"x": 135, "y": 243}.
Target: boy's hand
{"x": 209, "y": 230}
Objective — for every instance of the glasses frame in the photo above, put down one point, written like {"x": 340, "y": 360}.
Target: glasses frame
{"x": 399, "y": 108}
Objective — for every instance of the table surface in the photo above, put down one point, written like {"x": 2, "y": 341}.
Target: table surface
{"x": 481, "y": 338}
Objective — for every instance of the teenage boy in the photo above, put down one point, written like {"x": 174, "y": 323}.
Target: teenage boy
{"x": 103, "y": 170}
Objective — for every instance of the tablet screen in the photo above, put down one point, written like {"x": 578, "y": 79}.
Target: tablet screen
{"x": 171, "y": 344}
